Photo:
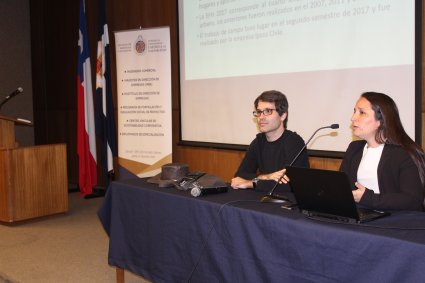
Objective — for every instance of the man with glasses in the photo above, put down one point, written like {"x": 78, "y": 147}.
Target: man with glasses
{"x": 273, "y": 148}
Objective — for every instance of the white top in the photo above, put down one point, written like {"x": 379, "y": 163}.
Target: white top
{"x": 367, "y": 174}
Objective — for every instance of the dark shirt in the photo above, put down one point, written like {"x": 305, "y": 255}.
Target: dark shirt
{"x": 400, "y": 186}
{"x": 263, "y": 157}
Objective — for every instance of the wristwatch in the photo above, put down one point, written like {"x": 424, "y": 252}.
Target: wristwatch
{"x": 254, "y": 182}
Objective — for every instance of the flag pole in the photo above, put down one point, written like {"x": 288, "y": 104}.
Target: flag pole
{"x": 105, "y": 114}
{"x": 86, "y": 139}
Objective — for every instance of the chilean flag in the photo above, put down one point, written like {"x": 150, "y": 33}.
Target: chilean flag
{"x": 86, "y": 139}
{"x": 105, "y": 119}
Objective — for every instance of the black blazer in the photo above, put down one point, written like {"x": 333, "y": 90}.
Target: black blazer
{"x": 398, "y": 178}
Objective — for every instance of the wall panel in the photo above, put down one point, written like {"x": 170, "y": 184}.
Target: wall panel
{"x": 54, "y": 27}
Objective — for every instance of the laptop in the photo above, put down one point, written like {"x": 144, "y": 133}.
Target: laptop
{"x": 327, "y": 194}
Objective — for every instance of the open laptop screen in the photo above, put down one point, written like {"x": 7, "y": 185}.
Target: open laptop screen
{"x": 326, "y": 193}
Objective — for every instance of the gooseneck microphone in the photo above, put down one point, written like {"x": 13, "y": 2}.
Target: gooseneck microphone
{"x": 271, "y": 197}
{"x": 333, "y": 126}
{"x": 14, "y": 93}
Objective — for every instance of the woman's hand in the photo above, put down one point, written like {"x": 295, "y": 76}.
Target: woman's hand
{"x": 357, "y": 194}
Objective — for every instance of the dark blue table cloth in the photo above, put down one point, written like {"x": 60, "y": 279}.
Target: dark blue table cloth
{"x": 166, "y": 235}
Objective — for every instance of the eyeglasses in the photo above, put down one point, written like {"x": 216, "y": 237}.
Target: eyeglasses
{"x": 265, "y": 112}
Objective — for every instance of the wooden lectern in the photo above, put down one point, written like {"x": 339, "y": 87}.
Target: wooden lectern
{"x": 33, "y": 180}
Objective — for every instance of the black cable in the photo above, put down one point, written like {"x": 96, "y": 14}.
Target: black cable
{"x": 361, "y": 224}
{"x": 213, "y": 225}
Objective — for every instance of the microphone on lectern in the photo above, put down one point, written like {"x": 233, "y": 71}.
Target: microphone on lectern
{"x": 15, "y": 92}
{"x": 270, "y": 197}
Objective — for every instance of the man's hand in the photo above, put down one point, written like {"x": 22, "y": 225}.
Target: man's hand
{"x": 278, "y": 176}
{"x": 241, "y": 183}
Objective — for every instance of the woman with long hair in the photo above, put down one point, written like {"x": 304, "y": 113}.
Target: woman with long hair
{"x": 386, "y": 167}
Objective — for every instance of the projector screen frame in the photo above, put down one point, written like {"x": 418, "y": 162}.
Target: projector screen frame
{"x": 314, "y": 152}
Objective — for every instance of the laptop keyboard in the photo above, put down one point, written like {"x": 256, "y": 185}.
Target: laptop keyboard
{"x": 365, "y": 213}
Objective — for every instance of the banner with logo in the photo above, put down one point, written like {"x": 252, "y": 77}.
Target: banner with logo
{"x": 144, "y": 100}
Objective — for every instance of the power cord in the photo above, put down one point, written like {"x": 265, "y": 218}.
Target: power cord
{"x": 362, "y": 224}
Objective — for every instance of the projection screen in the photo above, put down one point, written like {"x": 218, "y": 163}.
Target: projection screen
{"x": 321, "y": 53}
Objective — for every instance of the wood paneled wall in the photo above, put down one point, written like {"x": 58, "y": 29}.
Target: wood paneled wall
{"x": 54, "y": 30}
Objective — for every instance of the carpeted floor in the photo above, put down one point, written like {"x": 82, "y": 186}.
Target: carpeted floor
{"x": 71, "y": 247}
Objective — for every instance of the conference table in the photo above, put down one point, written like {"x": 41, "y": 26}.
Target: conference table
{"x": 167, "y": 235}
